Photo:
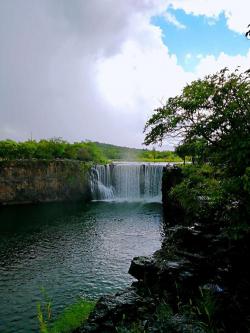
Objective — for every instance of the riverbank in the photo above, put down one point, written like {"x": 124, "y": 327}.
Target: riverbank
{"x": 33, "y": 180}
{"x": 197, "y": 281}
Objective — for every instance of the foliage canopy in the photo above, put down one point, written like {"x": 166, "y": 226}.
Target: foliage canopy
{"x": 211, "y": 118}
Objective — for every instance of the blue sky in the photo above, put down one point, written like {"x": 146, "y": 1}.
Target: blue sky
{"x": 200, "y": 36}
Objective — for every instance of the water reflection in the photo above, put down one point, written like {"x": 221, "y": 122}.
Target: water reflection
{"x": 70, "y": 250}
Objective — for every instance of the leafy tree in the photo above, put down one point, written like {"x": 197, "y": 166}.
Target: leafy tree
{"x": 214, "y": 111}
{"x": 70, "y": 151}
{"x": 44, "y": 150}
{"x": 247, "y": 34}
{"x": 26, "y": 149}
{"x": 195, "y": 149}
{"x": 94, "y": 152}
{"x": 8, "y": 149}
{"x": 57, "y": 147}
{"x": 183, "y": 151}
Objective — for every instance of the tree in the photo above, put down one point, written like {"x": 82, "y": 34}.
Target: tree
{"x": 214, "y": 111}
{"x": 8, "y": 149}
{"x": 26, "y": 149}
{"x": 247, "y": 34}
{"x": 196, "y": 150}
{"x": 154, "y": 153}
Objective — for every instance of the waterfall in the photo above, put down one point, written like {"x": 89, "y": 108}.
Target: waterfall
{"x": 127, "y": 181}
{"x": 100, "y": 183}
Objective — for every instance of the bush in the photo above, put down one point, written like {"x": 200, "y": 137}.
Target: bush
{"x": 199, "y": 191}
{"x": 71, "y": 318}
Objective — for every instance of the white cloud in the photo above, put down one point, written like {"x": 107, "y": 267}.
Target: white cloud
{"x": 210, "y": 64}
{"x": 92, "y": 69}
{"x": 49, "y": 57}
{"x": 142, "y": 76}
{"x": 236, "y": 12}
{"x": 188, "y": 57}
{"x": 85, "y": 70}
{"x": 173, "y": 20}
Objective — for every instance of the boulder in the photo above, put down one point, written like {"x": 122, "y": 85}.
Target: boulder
{"x": 143, "y": 267}
{"x": 113, "y": 309}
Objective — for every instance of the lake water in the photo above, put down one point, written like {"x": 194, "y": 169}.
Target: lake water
{"x": 71, "y": 250}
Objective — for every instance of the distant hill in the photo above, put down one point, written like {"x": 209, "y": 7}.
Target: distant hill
{"x": 119, "y": 153}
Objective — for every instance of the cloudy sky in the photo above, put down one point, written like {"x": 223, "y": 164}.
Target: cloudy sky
{"x": 96, "y": 69}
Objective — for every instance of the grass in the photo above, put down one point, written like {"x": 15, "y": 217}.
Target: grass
{"x": 167, "y": 160}
{"x": 71, "y": 318}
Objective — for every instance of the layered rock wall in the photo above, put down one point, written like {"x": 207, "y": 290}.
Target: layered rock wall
{"x": 27, "y": 181}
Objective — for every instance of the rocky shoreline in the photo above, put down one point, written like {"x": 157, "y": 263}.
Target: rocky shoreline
{"x": 197, "y": 274}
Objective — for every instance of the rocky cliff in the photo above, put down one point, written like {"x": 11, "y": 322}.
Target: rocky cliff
{"x": 26, "y": 181}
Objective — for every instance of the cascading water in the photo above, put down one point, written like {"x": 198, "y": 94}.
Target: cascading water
{"x": 127, "y": 181}
{"x": 100, "y": 182}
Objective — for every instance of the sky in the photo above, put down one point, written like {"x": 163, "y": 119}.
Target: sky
{"x": 96, "y": 69}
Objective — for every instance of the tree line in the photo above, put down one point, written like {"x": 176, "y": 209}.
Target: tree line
{"x": 55, "y": 148}
{"x": 87, "y": 151}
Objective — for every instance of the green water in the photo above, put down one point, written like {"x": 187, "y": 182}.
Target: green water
{"x": 70, "y": 250}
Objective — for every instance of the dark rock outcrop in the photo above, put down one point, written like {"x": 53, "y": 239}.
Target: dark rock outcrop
{"x": 123, "y": 307}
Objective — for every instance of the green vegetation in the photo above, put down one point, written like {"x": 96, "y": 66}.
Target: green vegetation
{"x": 117, "y": 153}
{"x": 71, "y": 318}
{"x": 197, "y": 315}
{"x": 200, "y": 190}
{"x": 212, "y": 116}
{"x": 211, "y": 120}
{"x": 83, "y": 151}
{"x": 50, "y": 149}
{"x": 159, "y": 156}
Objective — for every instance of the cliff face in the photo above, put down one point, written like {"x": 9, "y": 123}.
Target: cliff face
{"x": 172, "y": 175}
{"x": 26, "y": 181}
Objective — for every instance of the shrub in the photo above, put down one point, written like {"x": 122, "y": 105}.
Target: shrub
{"x": 71, "y": 318}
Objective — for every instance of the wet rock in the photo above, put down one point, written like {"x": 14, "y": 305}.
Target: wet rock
{"x": 143, "y": 267}
{"x": 172, "y": 267}
{"x": 189, "y": 239}
{"x": 111, "y": 309}
{"x": 194, "y": 257}
{"x": 173, "y": 272}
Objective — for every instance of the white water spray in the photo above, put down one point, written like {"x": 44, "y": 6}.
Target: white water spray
{"x": 127, "y": 181}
